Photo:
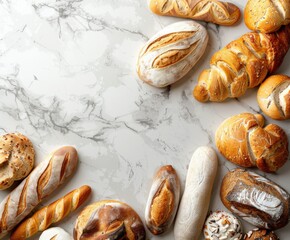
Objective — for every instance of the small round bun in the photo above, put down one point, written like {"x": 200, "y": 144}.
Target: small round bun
{"x": 260, "y": 234}
{"x": 109, "y": 219}
{"x": 55, "y": 233}
{"x": 222, "y": 225}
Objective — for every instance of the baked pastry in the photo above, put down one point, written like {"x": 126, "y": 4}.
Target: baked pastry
{"x": 55, "y": 233}
{"x": 274, "y": 97}
{"x": 16, "y": 158}
{"x": 222, "y": 225}
{"x": 171, "y": 53}
{"x": 244, "y": 63}
{"x": 39, "y": 184}
{"x": 50, "y": 214}
{"x": 255, "y": 199}
{"x": 109, "y": 219}
{"x": 222, "y": 13}
{"x": 267, "y": 15}
{"x": 195, "y": 201}
{"x": 242, "y": 140}
{"x": 260, "y": 234}
{"x": 163, "y": 200}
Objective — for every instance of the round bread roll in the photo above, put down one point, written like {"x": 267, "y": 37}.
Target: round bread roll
{"x": 171, "y": 53}
{"x": 16, "y": 158}
{"x": 274, "y": 97}
{"x": 109, "y": 219}
{"x": 261, "y": 235}
{"x": 222, "y": 225}
{"x": 55, "y": 233}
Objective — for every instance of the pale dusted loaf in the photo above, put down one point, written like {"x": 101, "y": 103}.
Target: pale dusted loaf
{"x": 163, "y": 200}
{"x": 40, "y": 183}
{"x": 171, "y": 53}
{"x": 109, "y": 219}
{"x": 267, "y": 15}
{"x": 55, "y": 233}
{"x": 195, "y": 201}
{"x": 16, "y": 158}
{"x": 242, "y": 140}
{"x": 255, "y": 199}
{"x": 274, "y": 97}
{"x": 244, "y": 63}
{"x": 222, "y": 13}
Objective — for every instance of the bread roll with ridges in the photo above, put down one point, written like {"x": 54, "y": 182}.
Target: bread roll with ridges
{"x": 244, "y": 63}
{"x": 171, "y": 53}
{"x": 50, "y": 214}
{"x": 195, "y": 201}
{"x": 274, "y": 97}
{"x": 222, "y": 13}
{"x": 16, "y": 158}
{"x": 163, "y": 200}
{"x": 242, "y": 140}
{"x": 267, "y": 15}
{"x": 40, "y": 183}
{"x": 55, "y": 233}
{"x": 255, "y": 199}
{"x": 109, "y": 219}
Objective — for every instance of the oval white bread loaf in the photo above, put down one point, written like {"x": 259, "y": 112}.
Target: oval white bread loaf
{"x": 163, "y": 200}
{"x": 171, "y": 53}
{"x": 40, "y": 183}
{"x": 195, "y": 201}
{"x": 55, "y": 233}
{"x": 274, "y": 97}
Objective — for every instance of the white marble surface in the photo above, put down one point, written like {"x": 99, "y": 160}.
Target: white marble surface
{"x": 67, "y": 77}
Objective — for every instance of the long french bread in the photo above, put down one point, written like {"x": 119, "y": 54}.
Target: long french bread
{"x": 40, "y": 183}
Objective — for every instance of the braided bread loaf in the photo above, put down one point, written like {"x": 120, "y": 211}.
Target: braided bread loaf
{"x": 52, "y": 213}
{"x": 40, "y": 183}
{"x": 242, "y": 64}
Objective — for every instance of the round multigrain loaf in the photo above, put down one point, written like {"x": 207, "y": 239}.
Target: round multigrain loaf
{"x": 260, "y": 234}
{"x": 171, "y": 53}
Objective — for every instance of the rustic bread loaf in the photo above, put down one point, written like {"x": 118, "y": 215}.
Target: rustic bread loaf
{"x": 171, "y": 53}
{"x": 255, "y": 199}
{"x": 242, "y": 140}
{"x": 260, "y": 234}
{"x": 163, "y": 200}
{"x": 222, "y": 13}
{"x": 274, "y": 97}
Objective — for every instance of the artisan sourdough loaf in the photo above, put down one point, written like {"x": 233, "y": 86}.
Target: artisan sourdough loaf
{"x": 255, "y": 199}
{"x": 218, "y": 12}
{"x": 171, "y": 53}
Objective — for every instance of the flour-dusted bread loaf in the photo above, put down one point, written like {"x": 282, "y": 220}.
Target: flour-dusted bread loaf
{"x": 274, "y": 97}
{"x": 243, "y": 141}
{"x": 55, "y": 233}
{"x": 255, "y": 199}
{"x": 260, "y": 234}
{"x": 16, "y": 158}
{"x": 267, "y": 15}
{"x": 222, "y": 13}
{"x": 244, "y": 63}
{"x": 195, "y": 201}
{"x": 39, "y": 184}
{"x": 109, "y": 219}
{"x": 163, "y": 200}
{"x": 171, "y": 53}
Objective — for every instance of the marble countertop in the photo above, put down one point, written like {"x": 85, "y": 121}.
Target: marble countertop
{"x": 68, "y": 77}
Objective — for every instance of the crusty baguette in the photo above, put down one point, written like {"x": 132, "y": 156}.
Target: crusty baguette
{"x": 274, "y": 97}
{"x": 195, "y": 201}
{"x": 50, "y": 214}
{"x": 222, "y": 13}
{"x": 244, "y": 63}
{"x": 267, "y": 15}
{"x": 40, "y": 183}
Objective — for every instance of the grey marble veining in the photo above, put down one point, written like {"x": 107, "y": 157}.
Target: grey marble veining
{"x": 68, "y": 77}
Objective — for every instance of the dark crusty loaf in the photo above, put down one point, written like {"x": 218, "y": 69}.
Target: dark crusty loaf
{"x": 260, "y": 234}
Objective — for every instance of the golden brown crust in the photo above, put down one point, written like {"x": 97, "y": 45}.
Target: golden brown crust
{"x": 218, "y": 12}
{"x": 261, "y": 234}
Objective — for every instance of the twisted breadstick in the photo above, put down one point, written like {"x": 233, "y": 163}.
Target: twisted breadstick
{"x": 52, "y": 213}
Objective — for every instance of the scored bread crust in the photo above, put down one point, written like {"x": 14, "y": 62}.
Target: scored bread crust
{"x": 274, "y": 97}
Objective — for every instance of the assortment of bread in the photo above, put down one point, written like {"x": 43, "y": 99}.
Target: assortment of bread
{"x": 171, "y": 53}
{"x": 243, "y": 140}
